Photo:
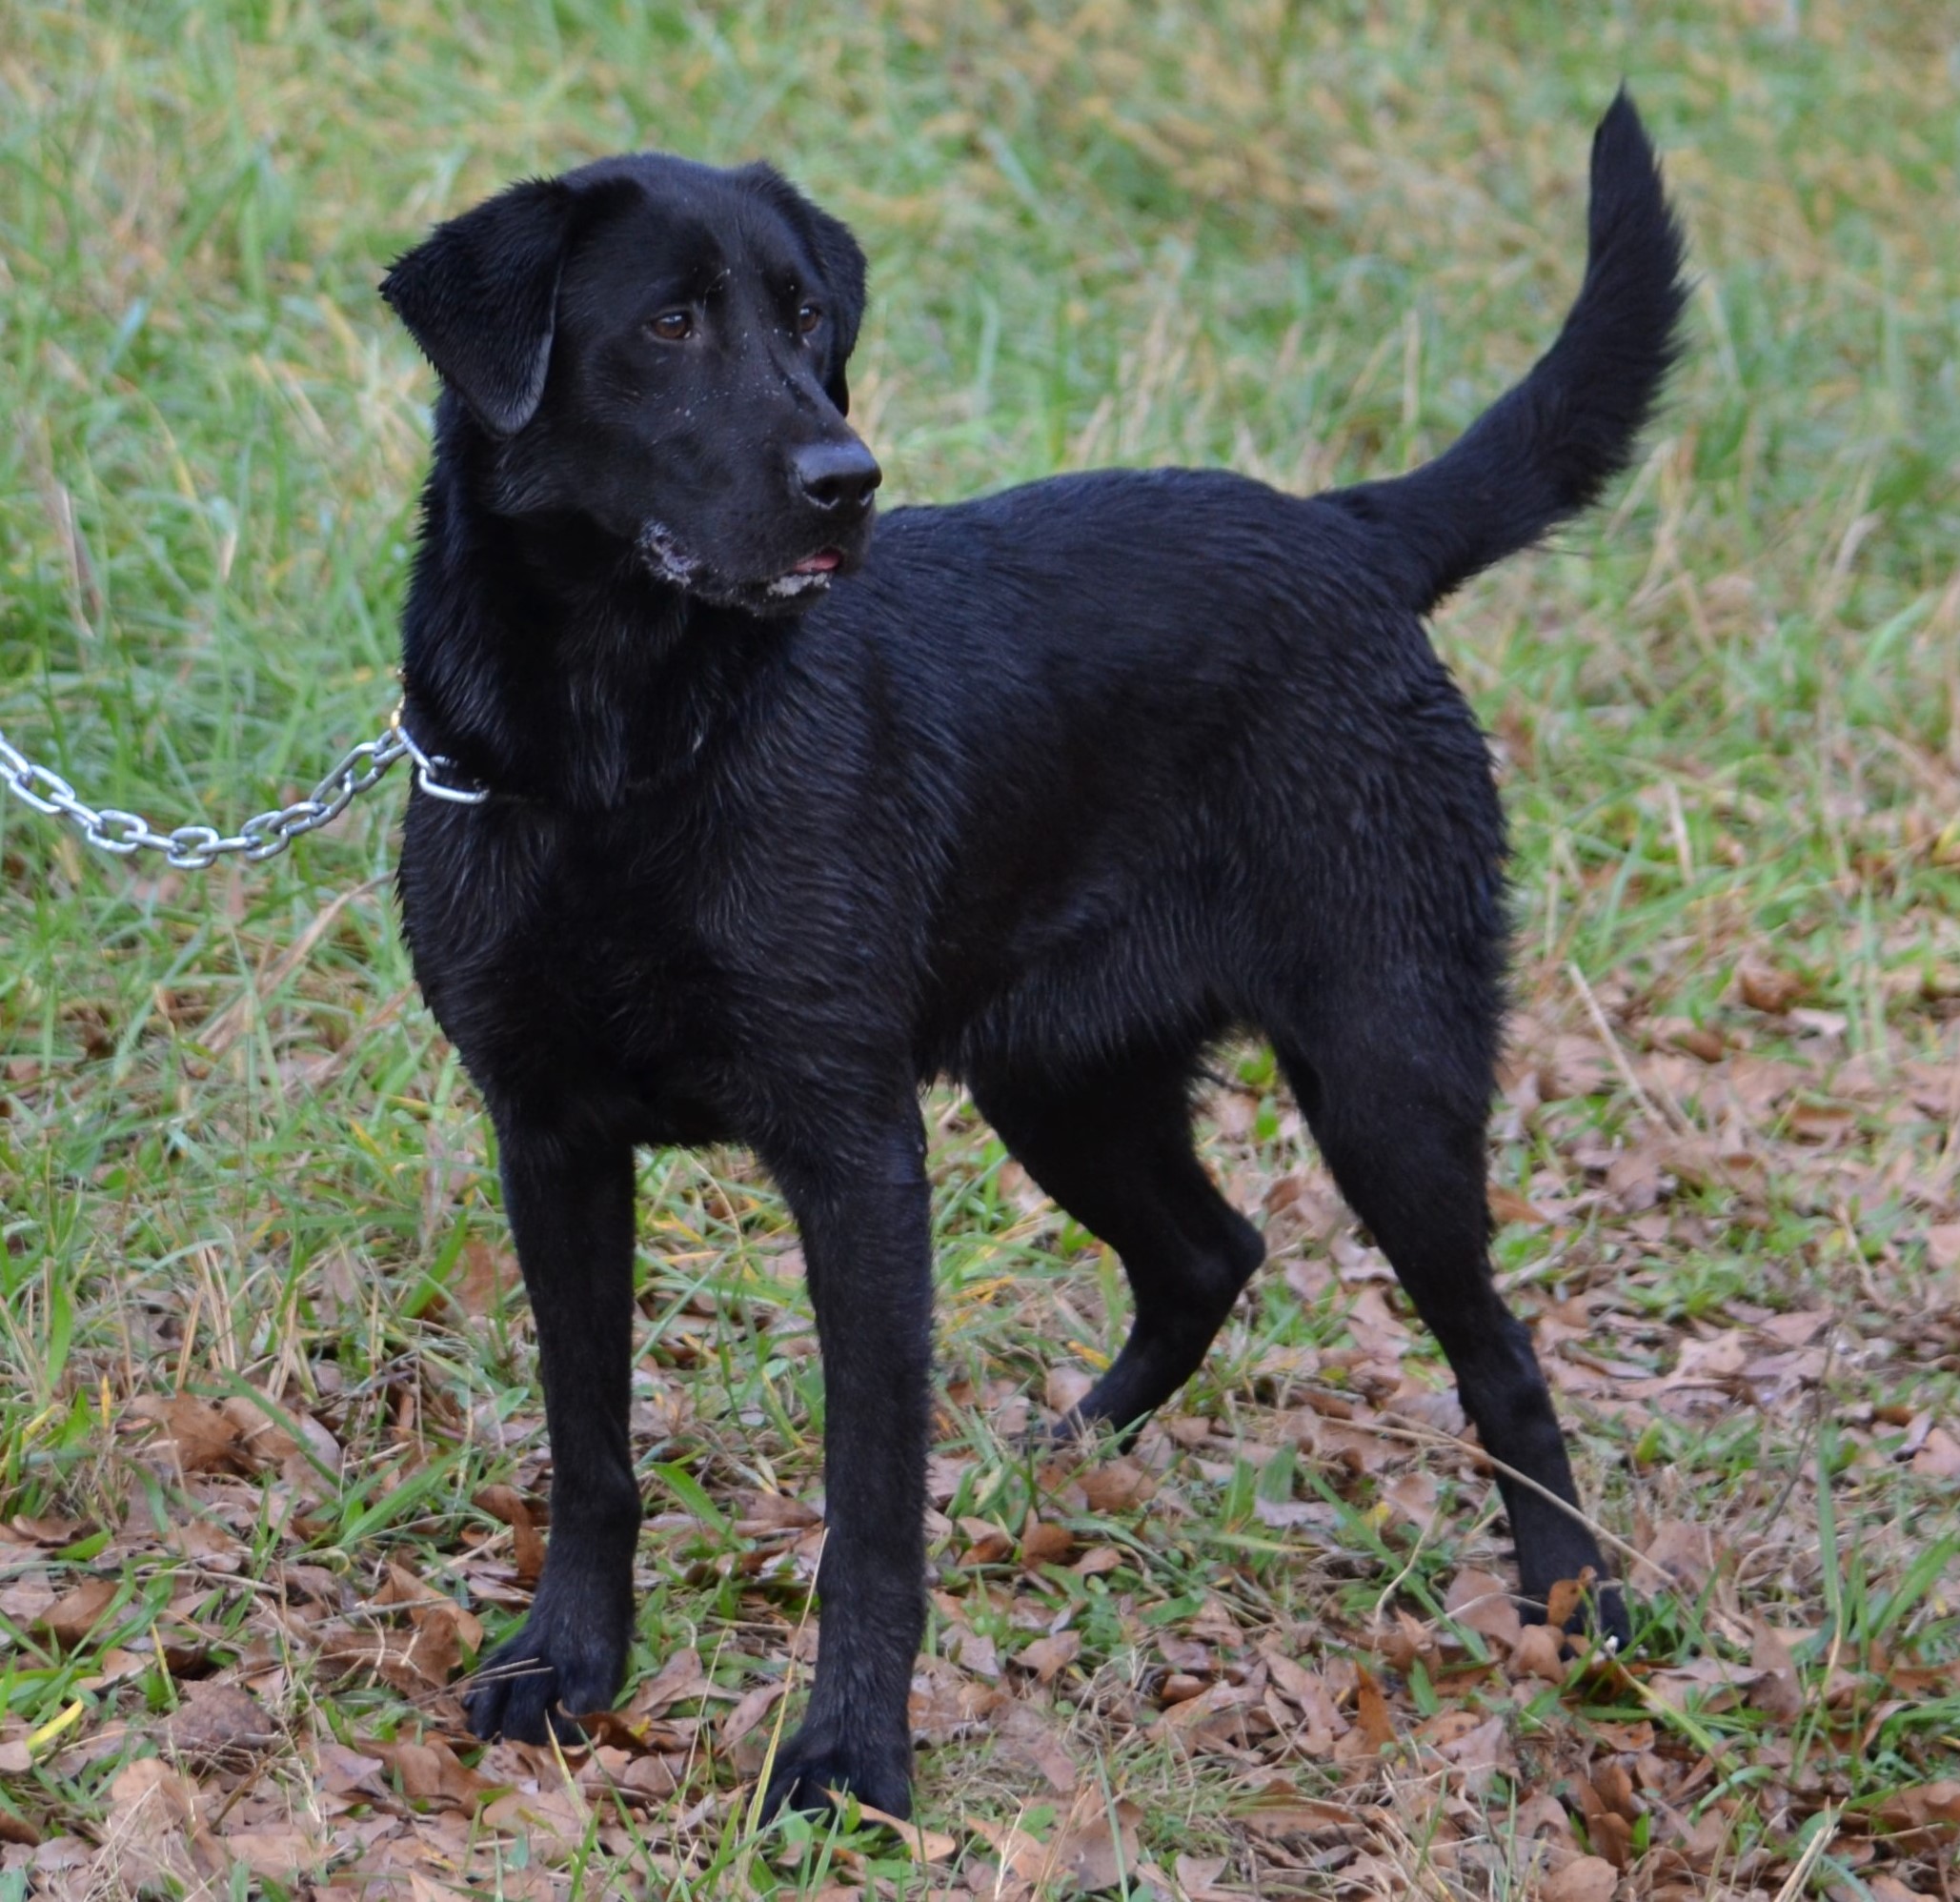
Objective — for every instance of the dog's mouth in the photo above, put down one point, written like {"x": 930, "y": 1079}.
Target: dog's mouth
{"x": 811, "y": 575}
{"x": 672, "y": 561}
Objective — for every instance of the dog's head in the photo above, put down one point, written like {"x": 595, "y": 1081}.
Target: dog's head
{"x": 659, "y": 347}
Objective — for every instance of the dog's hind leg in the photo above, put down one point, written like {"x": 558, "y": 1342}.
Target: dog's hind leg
{"x": 1118, "y": 1156}
{"x": 1399, "y": 1107}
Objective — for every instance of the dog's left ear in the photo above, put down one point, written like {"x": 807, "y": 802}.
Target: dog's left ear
{"x": 480, "y": 296}
{"x": 840, "y": 260}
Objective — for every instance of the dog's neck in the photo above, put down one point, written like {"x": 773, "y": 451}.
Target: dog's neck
{"x": 547, "y": 660}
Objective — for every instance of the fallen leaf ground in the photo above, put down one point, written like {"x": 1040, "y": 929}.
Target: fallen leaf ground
{"x": 272, "y": 1461}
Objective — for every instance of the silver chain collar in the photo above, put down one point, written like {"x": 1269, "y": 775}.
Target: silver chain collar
{"x": 192, "y": 848}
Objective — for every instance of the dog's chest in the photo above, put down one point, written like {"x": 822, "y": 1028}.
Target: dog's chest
{"x": 573, "y": 966}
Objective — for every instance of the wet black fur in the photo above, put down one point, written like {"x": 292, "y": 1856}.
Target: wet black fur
{"x": 1048, "y": 791}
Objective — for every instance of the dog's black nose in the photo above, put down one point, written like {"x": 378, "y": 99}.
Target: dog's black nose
{"x": 839, "y": 476}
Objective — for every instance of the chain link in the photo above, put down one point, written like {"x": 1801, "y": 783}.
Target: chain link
{"x": 192, "y": 848}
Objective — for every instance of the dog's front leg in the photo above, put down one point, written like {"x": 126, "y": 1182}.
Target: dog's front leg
{"x": 862, "y": 1206}
{"x": 570, "y": 1203}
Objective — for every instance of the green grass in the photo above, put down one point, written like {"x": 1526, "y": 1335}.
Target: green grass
{"x": 1309, "y": 242}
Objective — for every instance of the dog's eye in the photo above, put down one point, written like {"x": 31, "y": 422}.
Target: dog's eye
{"x": 808, "y": 318}
{"x": 672, "y": 326}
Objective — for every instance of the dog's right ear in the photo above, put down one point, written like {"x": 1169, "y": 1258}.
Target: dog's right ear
{"x": 480, "y": 296}
{"x": 838, "y": 256}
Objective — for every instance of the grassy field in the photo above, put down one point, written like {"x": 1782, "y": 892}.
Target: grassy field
{"x": 270, "y": 1456}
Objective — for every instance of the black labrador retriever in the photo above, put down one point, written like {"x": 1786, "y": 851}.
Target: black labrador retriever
{"x": 1046, "y": 792}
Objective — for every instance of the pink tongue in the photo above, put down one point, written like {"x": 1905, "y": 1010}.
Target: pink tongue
{"x": 821, "y": 563}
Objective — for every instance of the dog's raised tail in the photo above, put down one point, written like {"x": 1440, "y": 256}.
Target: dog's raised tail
{"x": 1546, "y": 447}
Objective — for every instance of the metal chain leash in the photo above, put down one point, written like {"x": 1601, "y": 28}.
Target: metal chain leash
{"x": 192, "y": 848}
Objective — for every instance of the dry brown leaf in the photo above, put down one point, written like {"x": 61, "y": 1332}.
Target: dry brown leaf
{"x": 1216, "y": 1714}
{"x": 1544, "y": 1817}
{"x": 1066, "y": 1387}
{"x": 1925, "y": 1805}
{"x": 1565, "y": 1599}
{"x": 1539, "y": 1653}
{"x": 679, "y": 1679}
{"x": 155, "y": 1835}
{"x": 1023, "y": 1857}
{"x": 973, "y": 1652}
{"x": 1938, "y": 1456}
{"x": 423, "y": 1889}
{"x": 267, "y": 1443}
{"x": 1766, "y": 987}
{"x": 26, "y": 1599}
{"x": 221, "y": 1726}
{"x": 1197, "y": 1879}
{"x": 76, "y": 1614}
{"x": 1043, "y": 1543}
{"x": 1026, "y": 1734}
{"x": 1371, "y": 1712}
{"x": 1681, "y": 1033}
{"x": 553, "y": 1819}
{"x": 1478, "y": 1750}
{"x": 1508, "y": 1205}
{"x": 986, "y": 1544}
{"x": 761, "y": 1511}
{"x": 342, "y": 1772}
{"x": 47, "y": 1530}
{"x": 1046, "y": 1656}
{"x": 275, "y": 1852}
{"x": 1577, "y": 1069}
{"x": 650, "y": 1779}
{"x": 415, "y": 1662}
{"x": 192, "y": 1435}
{"x": 925, "y": 1845}
{"x": 1708, "y": 1683}
{"x": 1116, "y": 1484}
{"x": 1101, "y": 1852}
{"x": 1776, "y": 1692}
{"x": 506, "y": 1504}
{"x": 1585, "y": 1878}
{"x": 431, "y": 1772}
{"x": 749, "y": 1711}
{"x": 487, "y": 1274}
{"x": 1885, "y": 1888}
{"x": 1613, "y": 1786}
{"x": 442, "y": 1629}
{"x": 1685, "y": 1551}
{"x": 945, "y": 1706}
{"x": 1637, "y": 1180}
{"x": 1281, "y": 1809}
{"x": 1481, "y": 1602}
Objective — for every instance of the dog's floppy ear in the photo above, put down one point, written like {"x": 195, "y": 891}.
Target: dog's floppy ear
{"x": 840, "y": 260}
{"x": 843, "y": 263}
{"x": 480, "y": 296}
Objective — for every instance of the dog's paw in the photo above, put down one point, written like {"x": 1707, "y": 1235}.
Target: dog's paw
{"x": 1603, "y": 1614}
{"x": 1596, "y": 1608}
{"x": 818, "y": 1761}
{"x": 535, "y": 1686}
